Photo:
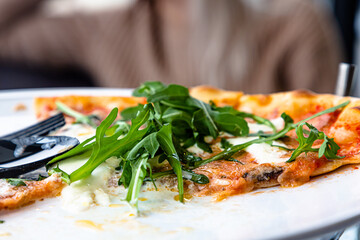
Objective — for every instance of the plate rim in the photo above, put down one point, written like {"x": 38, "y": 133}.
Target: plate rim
{"x": 12, "y": 94}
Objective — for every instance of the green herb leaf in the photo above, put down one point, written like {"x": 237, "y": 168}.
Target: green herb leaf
{"x": 106, "y": 147}
{"x": 234, "y": 112}
{"x": 149, "y": 143}
{"x": 2, "y": 221}
{"x": 85, "y": 146}
{"x": 232, "y": 124}
{"x": 186, "y": 174}
{"x": 200, "y": 143}
{"x": 328, "y": 148}
{"x": 131, "y": 112}
{"x": 64, "y": 176}
{"x": 16, "y": 182}
{"x": 171, "y": 92}
{"x": 164, "y": 128}
{"x": 41, "y": 177}
{"x": 126, "y": 174}
{"x": 329, "y": 110}
{"x": 225, "y": 144}
{"x": 197, "y": 178}
{"x": 204, "y": 124}
{"x": 171, "y": 115}
{"x": 227, "y": 153}
{"x": 91, "y": 120}
{"x": 148, "y": 88}
{"x": 164, "y": 136}
{"x": 138, "y": 175}
{"x": 119, "y": 128}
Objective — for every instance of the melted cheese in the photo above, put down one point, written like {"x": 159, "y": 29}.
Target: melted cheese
{"x": 94, "y": 190}
{"x": 262, "y": 152}
{"x": 6, "y": 189}
{"x": 84, "y": 193}
{"x": 196, "y": 150}
{"x": 278, "y": 123}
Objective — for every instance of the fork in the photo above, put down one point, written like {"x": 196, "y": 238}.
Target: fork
{"x": 28, "y": 149}
{"x": 39, "y": 129}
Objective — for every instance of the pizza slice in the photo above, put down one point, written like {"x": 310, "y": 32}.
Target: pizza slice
{"x": 226, "y": 144}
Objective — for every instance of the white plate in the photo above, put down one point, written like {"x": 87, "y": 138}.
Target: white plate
{"x": 323, "y": 205}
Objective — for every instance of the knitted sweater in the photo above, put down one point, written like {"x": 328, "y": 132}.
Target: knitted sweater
{"x": 284, "y": 45}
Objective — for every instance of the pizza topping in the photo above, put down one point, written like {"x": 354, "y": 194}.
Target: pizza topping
{"x": 263, "y": 152}
{"x": 91, "y": 120}
{"x": 328, "y": 148}
{"x": 172, "y": 122}
{"x": 6, "y": 189}
{"x": 16, "y": 182}
{"x": 14, "y": 197}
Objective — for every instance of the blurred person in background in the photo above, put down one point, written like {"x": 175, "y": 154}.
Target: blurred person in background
{"x": 256, "y": 46}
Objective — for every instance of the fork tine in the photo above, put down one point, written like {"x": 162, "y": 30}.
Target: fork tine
{"x": 40, "y": 128}
{"x": 43, "y": 130}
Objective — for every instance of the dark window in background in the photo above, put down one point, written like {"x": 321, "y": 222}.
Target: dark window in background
{"x": 345, "y": 12}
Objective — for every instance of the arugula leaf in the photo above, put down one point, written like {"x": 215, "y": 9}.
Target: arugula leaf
{"x": 91, "y": 120}
{"x": 186, "y": 174}
{"x": 224, "y": 143}
{"x": 227, "y": 153}
{"x": 131, "y": 112}
{"x": 282, "y": 147}
{"x": 197, "y": 178}
{"x": 204, "y": 124}
{"x": 106, "y": 147}
{"x": 148, "y": 88}
{"x": 258, "y": 119}
{"x": 164, "y": 136}
{"x": 181, "y": 122}
{"x": 151, "y": 175}
{"x": 149, "y": 143}
{"x": 164, "y": 128}
{"x": 83, "y": 147}
{"x": 328, "y": 148}
{"x": 190, "y": 159}
{"x": 41, "y": 177}
{"x": 232, "y": 124}
{"x": 200, "y": 143}
{"x": 16, "y": 182}
{"x": 234, "y": 112}
{"x": 178, "y": 105}
{"x": 138, "y": 175}
{"x": 329, "y": 110}
{"x": 171, "y": 114}
{"x": 126, "y": 174}
{"x": 305, "y": 144}
{"x": 2, "y": 221}
{"x": 64, "y": 176}
{"x": 119, "y": 127}
{"x": 171, "y": 92}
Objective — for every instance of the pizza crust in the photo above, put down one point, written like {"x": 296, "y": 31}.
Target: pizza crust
{"x": 102, "y": 106}
{"x": 344, "y": 126}
{"x": 229, "y": 178}
{"x": 16, "y": 197}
